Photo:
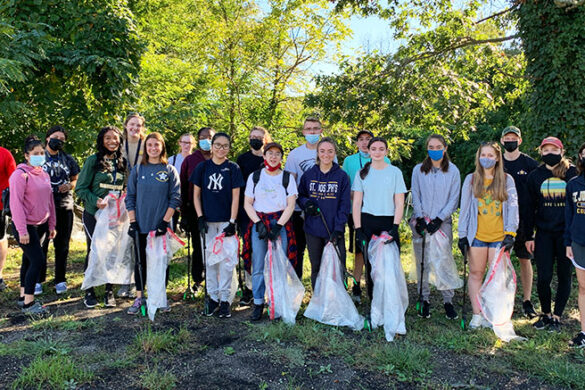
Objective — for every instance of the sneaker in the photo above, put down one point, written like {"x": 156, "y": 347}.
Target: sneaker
{"x": 450, "y": 312}
{"x": 90, "y": 300}
{"x": 528, "y": 309}
{"x": 36, "y": 309}
{"x": 542, "y": 322}
{"x": 224, "y": 310}
{"x": 476, "y": 321}
{"x": 109, "y": 300}
{"x": 578, "y": 341}
{"x": 257, "y": 313}
{"x": 356, "y": 291}
{"x": 247, "y": 297}
{"x": 426, "y": 310}
{"x": 60, "y": 288}
{"x": 124, "y": 291}
{"x": 135, "y": 308}
{"x": 2, "y": 285}
{"x": 166, "y": 309}
{"x": 20, "y": 302}
{"x": 555, "y": 326}
{"x": 38, "y": 289}
{"x": 211, "y": 308}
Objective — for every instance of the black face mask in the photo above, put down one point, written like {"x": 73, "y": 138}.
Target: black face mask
{"x": 56, "y": 144}
{"x": 510, "y": 146}
{"x": 256, "y": 144}
{"x": 551, "y": 159}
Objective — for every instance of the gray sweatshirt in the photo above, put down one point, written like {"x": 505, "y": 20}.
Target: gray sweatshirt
{"x": 435, "y": 194}
{"x": 152, "y": 189}
{"x": 469, "y": 210}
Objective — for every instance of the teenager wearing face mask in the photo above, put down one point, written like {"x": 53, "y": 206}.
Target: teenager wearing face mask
{"x": 250, "y": 161}
{"x": 63, "y": 170}
{"x": 186, "y": 145}
{"x": 488, "y": 218}
{"x": 33, "y": 218}
{"x": 188, "y": 215}
{"x": 519, "y": 165}
{"x": 546, "y": 205}
{"x": 351, "y": 165}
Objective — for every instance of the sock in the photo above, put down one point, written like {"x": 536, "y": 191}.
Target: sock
{"x": 20, "y": 299}
{"x": 583, "y": 332}
{"x": 27, "y": 305}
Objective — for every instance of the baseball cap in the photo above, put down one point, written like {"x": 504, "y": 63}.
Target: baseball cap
{"x": 512, "y": 129}
{"x": 273, "y": 145}
{"x": 552, "y": 141}
{"x": 368, "y": 132}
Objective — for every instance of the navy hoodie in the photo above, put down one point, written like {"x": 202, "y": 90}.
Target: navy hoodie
{"x": 575, "y": 211}
{"x": 332, "y": 192}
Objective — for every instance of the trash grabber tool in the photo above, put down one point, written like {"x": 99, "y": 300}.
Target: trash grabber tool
{"x": 189, "y": 293}
{"x": 419, "y": 303}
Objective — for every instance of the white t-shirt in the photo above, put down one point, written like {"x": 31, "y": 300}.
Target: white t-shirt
{"x": 269, "y": 195}
{"x": 379, "y": 188}
{"x": 177, "y": 161}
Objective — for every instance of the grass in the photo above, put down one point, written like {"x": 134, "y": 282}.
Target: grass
{"x": 39, "y": 345}
{"x": 150, "y": 341}
{"x": 53, "y": 372}
{"x": 155, "y": 379}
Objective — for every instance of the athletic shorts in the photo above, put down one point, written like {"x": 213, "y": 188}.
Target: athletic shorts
{"x": 482, "y": 244}
{"x": 353, "y": 244}
{"x": 578, "y": 256}
{"x": 520, "y": 250}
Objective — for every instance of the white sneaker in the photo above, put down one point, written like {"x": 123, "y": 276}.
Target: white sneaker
{"x": 38, "y": 289}
{"x": 60, "y": 288}
{"x": 476, "y": 321}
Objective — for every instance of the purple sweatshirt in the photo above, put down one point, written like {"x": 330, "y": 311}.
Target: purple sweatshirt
{"x": 31, "y": 198}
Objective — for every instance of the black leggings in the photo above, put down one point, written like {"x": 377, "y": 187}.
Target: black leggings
{"x": 548, "y": 249}
{"x": 372, "y": 224}
{"x": 315, "y": 246}
{"x": 196, "y": 254}
{"x": 89, "y": 227}
{"x": 33, "y": 257}
{"x": 142, "y": 256}
{"x": 61, "y": 245}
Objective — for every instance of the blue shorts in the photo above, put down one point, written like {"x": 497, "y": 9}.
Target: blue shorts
{"x": 482, "y": 244}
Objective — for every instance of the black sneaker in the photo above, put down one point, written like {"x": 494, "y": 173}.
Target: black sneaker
{"x": 109, "y": 299}
{"x": 426, "y": 310}
{"x": 257, "y": 313}
{"x": 356, "y": 291}
{"x": 578, "y": 341}
{"x": 211, "y": 307}
{"x": 224, "y": 310}
{"x": 90, "y": 300}
{"x": 247, "y": 297}
{"x": 450, "y": 312}
{"x": 555, "y": 326}
{"x": 543, "y": 322}
{"x": 528, "y": 309}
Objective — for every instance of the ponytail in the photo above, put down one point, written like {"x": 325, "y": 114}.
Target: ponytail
{"x": 365, "y": 170}
{"x": 560, "y": 170}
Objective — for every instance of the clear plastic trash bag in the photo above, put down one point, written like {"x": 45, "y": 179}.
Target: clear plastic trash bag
{"x": 443, "y": 270}
{"x": 496, "y": 296}
{"x": 284, "y": 290}
{"x": 390, "y": 296}
{"x": 159, "y": 252}
{"x": 110, "y": 255}
{"x": 222, "y": 248}
{"x": 330, "y": 303}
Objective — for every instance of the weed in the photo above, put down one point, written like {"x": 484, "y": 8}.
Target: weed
{"x": 66, "y": 322}
{"x": 228, "y": 351}
{"x": 158, "y": 380}
{"x": 149, "y": 341}
{"x": 53, "y": 372}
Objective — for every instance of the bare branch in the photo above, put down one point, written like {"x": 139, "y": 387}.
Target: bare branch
{"x": 514, "y": 6}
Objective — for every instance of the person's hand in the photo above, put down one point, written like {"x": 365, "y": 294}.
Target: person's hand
{"x": 24, "y": 239}
{"x": 261, "y": 230}
{"x": 530, "y": 246}
{"x": 65, "y": 187}
{"x": 463, "y": 245}
{"x": 311, "y": 208}
{"x": 274, "y": 232}
{"x": 434, "y": 225}
{"x": 336, "y": 237}
{"x": 202, "y": 224}
{"x": 230, "y": 229}
{"x": 161, "y": 228}
{"x": 420, "y": 226}
{"x": 133, "y": 229}
{"x": 393, "y": 233}
{"x": 101, "y": 203}
{"x": 508, "y": 242}
{"x": 184, "y": 224}
{"x": 569, "y": 253}
{"x": 361, "y": 238}
{"x": 52, "y": 234}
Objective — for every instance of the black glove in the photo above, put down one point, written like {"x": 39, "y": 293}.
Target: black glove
{"x": 184, "y": 224}
{"x": 133, "y": 229}
{"x": 394, "y": 233}
{"x": 420, "y": 226}
{"x": 336, "y": 237}
{"x": 463, "y": 245}
{"x": 261, "y": 230}
{"x": 202, "y": 224}
{"x": 274, "y": 232}
{"x": 311, "y": 208}
{"x": 161, "y": 228}
{"x": 508, "y": 242}
{"x": 230, "y": 229}
{"x": 362, "y": 239}
{"x": 434, "y": 225}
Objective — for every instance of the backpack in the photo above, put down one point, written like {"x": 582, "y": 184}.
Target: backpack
{"x": 6, "y": 198}
{"x": 285, "y": 180}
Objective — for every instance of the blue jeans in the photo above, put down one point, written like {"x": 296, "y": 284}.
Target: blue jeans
{"x": 259, "y": 249}
{"x": 482, "y": 244}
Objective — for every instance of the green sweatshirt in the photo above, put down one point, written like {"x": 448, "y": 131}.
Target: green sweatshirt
{"x": 92, "y": 184}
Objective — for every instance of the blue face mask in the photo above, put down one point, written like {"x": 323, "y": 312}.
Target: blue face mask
{"x": 37, "y": 161}
{"x": 435, "y": 155}
{"x": 364, "y": 154}
{"x": 487, "y": 162}
{"x": 205, "y": 144}
{"x": 312, "y": 138}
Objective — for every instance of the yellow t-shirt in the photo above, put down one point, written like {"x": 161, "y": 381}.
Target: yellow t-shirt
{"x": 490, "y": 222}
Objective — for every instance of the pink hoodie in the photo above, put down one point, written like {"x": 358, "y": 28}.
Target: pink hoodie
{"x": 31, "y": 198}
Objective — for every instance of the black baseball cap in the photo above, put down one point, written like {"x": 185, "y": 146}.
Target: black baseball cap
{"x": 273, "y": 145}
{"x": 368, "y": 132}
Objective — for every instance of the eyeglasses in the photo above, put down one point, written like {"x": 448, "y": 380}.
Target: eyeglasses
{"x": 274, "y": 154}
{"x": 220, "y": 146}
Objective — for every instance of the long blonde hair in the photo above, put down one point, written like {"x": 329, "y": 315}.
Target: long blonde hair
{"x": 498, "y": 185}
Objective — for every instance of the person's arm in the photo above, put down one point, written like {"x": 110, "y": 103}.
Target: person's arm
{"x": 466, "y": 198}
{"x": 52, "y": 218}
{"x": 197, "y": 200}
{"x": 288, "y": 211}
{"x": 531, "y": 210}
{"x": 512, "y": 216}
{"x": 131, "y": 194}
{"x": 84, "y": 182}
{"x": 344, "y": 205}
{"x": 17, "y": 185}
{"x": 569, "y": 207}
{"x": 453, "y": 199}
{"x": 249, "y": 207}
{"x": 398, "y": 207}
{"x": 235, "y": 203}
{"x": 174, "y": 193}
{"x": 356, "y": 212}
{"x": 184, "y": 179}
{"x": 416, "y": 195}
{"x": 303, "y": 192}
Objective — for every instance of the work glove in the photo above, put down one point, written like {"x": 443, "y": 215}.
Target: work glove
{"x": 311, "y": 208}
{"x": 161, "y": 228}
{"x": 230, "y": 229}
{"x": 336, "y": 237}
{"x": 508, "y": 242}
{"x": 362, "y": 239}
{"x": 261, "y": 230}
{"x": 420, "y": 226}
{"x": 274, "y": 232}
{"x": 434, "y": 225}
{"x": 463, "y": 245}
{"x": 184, "y": 224}
{"x": 394, "y": 233}
{"x": 202, "y": 225}
{"x": 133, "y": 229}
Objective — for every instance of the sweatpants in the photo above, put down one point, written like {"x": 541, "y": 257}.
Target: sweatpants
{"x": 299, "y": 229}
{"x": 417, "y": 246}
{"x": 548, "y": 250}
{"x": 33, "y": 257}
{"x": 64, "y": 227}
{"x": 315, "y": 246}
{"x": 89, "y": 222}
{"x": 142, "y": 240}
{"x": 218, "y": 277}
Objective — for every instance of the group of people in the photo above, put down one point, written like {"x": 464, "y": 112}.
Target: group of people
{"x": 509, "y": 201}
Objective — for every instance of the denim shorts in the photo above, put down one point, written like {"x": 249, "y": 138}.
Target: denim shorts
{"x": 482, "y": 244}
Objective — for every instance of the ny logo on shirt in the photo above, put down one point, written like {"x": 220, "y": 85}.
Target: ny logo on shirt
{"x": 215, "y": 180}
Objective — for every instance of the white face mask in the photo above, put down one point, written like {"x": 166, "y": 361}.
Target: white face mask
{"x": 37, "y": 161}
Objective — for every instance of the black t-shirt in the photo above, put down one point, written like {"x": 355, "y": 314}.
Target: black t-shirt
{"x": 248, "y": 163}
{"x": 61, "y": 167}
{"x": 519, "y": 170}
